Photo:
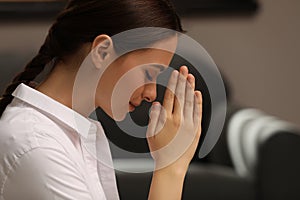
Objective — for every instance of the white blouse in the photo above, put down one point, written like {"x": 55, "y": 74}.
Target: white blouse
{"x": 48, "y": 151}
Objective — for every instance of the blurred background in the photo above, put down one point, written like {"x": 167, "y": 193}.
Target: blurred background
{"x": 256, "y": 46}
{"x": 258, "y": 54}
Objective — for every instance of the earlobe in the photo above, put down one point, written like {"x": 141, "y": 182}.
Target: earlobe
{"x": 102, "y": 49}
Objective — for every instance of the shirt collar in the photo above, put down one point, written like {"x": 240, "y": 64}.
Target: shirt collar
{"x": 61, "y": 112}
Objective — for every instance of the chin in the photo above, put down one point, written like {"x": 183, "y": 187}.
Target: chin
{"x": 119, "y": 113}
{"x": 118, "y": 116}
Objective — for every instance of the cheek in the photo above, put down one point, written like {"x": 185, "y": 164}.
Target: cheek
{"x": 138, "y": 92}
{"x": 133, "y": 87}
{"x": 126, "y": 86}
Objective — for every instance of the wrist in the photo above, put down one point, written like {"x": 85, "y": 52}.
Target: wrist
{"x": 172, "y": 171}
{"x": 167, "y": 183}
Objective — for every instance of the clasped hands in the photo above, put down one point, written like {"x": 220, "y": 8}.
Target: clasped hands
{"x": 175, "y": 127}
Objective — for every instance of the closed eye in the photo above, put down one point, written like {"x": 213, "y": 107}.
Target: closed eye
{"x": 149, "y": 77}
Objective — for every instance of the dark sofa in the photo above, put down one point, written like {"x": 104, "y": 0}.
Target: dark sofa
{"x": 275, "y": 176}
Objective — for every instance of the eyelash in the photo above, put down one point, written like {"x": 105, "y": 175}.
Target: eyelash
{"x": 149, "y": 77}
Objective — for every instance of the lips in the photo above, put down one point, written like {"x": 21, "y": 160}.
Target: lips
{"x": 132, "y": 106}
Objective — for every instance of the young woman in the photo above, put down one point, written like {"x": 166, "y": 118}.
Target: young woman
{"x": 42, "y": 150}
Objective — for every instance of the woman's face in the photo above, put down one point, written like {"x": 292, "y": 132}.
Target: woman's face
{"x": 131, "y": 79}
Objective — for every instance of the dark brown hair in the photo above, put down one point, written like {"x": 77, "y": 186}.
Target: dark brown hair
{"x": 81, "y": 21}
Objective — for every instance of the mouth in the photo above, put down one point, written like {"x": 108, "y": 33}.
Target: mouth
{"x": 131, "y": 107}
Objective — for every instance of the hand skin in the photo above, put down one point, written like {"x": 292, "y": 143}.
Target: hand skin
{"x": 173, "y": 135}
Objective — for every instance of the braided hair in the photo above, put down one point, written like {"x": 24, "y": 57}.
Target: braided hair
{"x": 31, "y": 70}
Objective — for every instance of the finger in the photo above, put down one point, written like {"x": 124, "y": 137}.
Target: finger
{"x": 168, "y": 102}
{"x": 161, "y": 120}
{"x": 198, "y": 109}
{"x": 180, "y": 91}
{"x": 189, "y": 98}
{"x": 154, "y": 116}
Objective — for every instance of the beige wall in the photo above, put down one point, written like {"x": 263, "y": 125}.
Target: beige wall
{"x": 260, "y": 55}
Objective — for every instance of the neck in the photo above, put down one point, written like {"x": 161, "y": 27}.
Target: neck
{"x": 59, "y": 85}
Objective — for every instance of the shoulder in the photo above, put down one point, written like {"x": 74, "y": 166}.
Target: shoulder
{"x": 51, "y": 174}
{"x": 25, "y": 127}
{"x": 17, "y": 133}
{"x": 22, "y": 129}
{"x": 27, "y": 142}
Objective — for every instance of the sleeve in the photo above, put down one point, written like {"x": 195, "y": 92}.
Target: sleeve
{"x": 45, "y": 174}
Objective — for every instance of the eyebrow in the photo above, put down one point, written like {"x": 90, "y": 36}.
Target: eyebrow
{"x": 160, "y": 67}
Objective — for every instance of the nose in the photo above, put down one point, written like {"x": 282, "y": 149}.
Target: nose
{"x": 149, "y": 93}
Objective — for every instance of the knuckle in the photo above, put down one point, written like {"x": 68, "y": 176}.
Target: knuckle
{"x": 189, "y": 103}
{"x": 169, "y": 118}
{"x": 162, "y": 120}
{"x": 177, "y": 121}
{"x": 180, "y": 93}
{"x": 169, "y": 94}
{"x": 180, "y": 104}
{"x": 176, "y": 124}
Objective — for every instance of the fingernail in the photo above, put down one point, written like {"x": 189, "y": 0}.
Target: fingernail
{"x": 155, "y": 105}
{"x": 175, "y": 73}
{"x": 190, "y": 79}
{"x": 184, "y": 70}
{"x": 198, "y": 94}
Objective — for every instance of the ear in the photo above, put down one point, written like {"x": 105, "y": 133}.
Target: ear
{"x": 102, "y": 50}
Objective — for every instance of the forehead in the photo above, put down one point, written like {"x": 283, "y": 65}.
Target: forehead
{"x": 163, "y": 49}
{"x": 168, "y": 44}
{"x": 158, "y": 57}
